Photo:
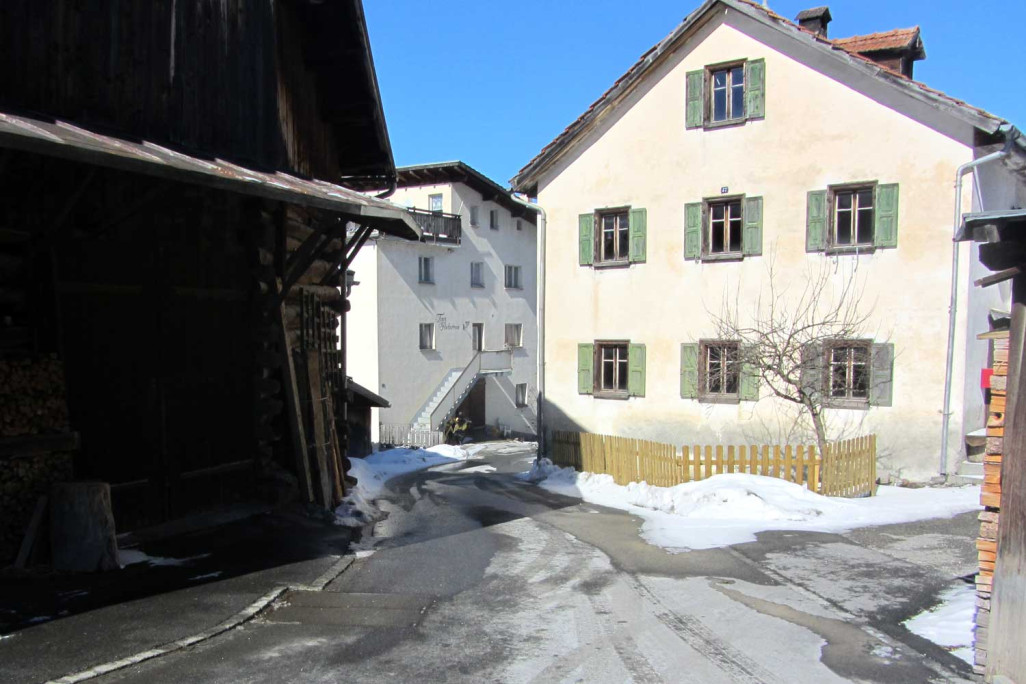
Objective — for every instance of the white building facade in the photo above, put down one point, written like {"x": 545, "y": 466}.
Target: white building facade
{"x": 741, "y": 159}
{"x": 449, "y": 324}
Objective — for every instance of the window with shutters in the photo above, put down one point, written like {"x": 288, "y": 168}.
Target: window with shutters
{"x": 612, "y": 237}
{"x": 514, "y": 335}
{"x": 725, "y": 94}
{"x": 513, "y": 278}
{"x": 611, "y": 369}
{"x": 521, "y": 395}
{"x": 426, "y": 270}
{"x": 427, "y": 335}
{"x": 853, "y": 217}
{"x": 848, "y": 372}
{"x": 723, "y": 228}
{"x": 477, "y": 274}
{"x": 719, "y": 372}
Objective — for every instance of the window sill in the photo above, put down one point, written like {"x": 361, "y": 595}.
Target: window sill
{"x": 731, "y": 256}
{"x": 620, "y": 396}
{"x": 728, "y": 123}
{"x": 856, "y": 250}
{"x": 719, "y": 399}
{"x": 514, "y": 288}
{"x": 849, "y": 404}
{"x": 476, "y": 286}
{"x": 611, "y": 264}
{"x": 425, "y": 282}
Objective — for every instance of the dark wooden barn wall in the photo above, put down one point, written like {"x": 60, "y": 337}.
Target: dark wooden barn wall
{"x": 224, "y": 77}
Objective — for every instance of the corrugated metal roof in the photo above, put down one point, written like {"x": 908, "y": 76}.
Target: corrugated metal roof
{"x": 57, "y": 138}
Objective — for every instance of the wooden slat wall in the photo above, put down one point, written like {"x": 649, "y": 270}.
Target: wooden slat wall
{"x": 848, "y": 468}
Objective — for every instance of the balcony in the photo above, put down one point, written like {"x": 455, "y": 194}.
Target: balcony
{"x": 438, "y": 227}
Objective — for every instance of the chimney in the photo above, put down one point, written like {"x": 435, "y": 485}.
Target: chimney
{"x": 815, "y": 20}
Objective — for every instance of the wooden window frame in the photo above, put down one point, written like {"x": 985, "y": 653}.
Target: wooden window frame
{"x": 479, "y": 283}
{"x": 518, "y": 329}
{"x": 426, "y": 276}
{"x": 707, "y": 212}
{"x": 430, "y": 327}
{"x": 618, "y": 260}
{"x": 704, "y": 395}
{"x": 832, "y": 247}
{"x": 848, "y": 401}
{"x": 514, "y": 283}
{"x": 707, "y": 110}
{"x": 614, "y": 393}
{"x": 520, "y": 395}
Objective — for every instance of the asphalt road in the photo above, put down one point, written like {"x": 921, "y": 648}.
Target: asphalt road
{"x": 478, "y": 576}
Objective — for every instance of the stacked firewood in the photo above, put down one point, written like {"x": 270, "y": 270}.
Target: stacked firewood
{"x": 32, "y": 397}
{"x": 990, "y": 498}
{"x": 22, "y": 481}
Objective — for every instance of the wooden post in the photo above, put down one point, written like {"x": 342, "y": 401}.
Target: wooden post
{"x": 318, "y": 441}
{"x": 294, "y": 410}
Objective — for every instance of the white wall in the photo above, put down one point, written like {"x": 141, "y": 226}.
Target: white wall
{"x": 816, "y": 132}
{"x": 408, "y": 376}
{"x": 362, "y": 325}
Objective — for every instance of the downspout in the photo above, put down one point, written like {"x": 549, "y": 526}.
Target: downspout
{"x": 953, "y": 305}
{"x": 543, "y": 220}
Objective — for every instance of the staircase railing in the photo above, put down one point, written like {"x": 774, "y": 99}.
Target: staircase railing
{"x": 484, "y": 362}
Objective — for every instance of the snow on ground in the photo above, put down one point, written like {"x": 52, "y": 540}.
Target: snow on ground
{"x": 133, "y": 556}
{"x": 730, "y": 509}
{"x": 372, "y": 472}
{"x": 949, "y": 624}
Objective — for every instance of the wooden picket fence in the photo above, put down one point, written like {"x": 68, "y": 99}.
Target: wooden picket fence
{"x": 848, "y": 468}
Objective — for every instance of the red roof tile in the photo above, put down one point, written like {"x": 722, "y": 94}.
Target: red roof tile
{"x": 886, "y": 40}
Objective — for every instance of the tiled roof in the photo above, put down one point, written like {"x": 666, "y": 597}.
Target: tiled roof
{"x": 638, "y": 68}
{"x": 886, "y": 40}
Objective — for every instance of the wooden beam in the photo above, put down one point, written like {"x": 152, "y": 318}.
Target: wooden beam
{"x": 358, "y": 240}
{"x": 998, "y": 256}
{"x": 294, "y": 409}
{"x": 999, "y": 277}
{"x": 318, "y": 442}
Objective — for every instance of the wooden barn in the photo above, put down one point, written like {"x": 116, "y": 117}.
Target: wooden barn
{"x": 177, "y": 214}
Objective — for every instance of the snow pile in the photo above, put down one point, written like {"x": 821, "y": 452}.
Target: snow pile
{"x": 133, "y": 556}
{"x": 730, "y": 509}
{"x": 372, "y": 472}
{"x": 949, "y": 624}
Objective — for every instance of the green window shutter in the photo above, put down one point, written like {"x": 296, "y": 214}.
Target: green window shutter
{"x": 811, "y": 370}
{"x": 749, "y": 385}
{"x": 815, "y": 221}
{"x": 751, "y": 239}
{"x": 693, "y": 230}
{"x": 881, "y": 375}
{"x": 636, "y": 370}
{"x": 586, "y": 238}
{"x": 755, "y": 88}
{"x": 694, "y": 100}
{"x": 638, "y": 230}
{"x": 689, "y": 370}
{"x": 885, "y": 228}
{"x": 585, "y": 374}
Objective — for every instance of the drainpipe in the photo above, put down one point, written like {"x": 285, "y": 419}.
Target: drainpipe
{"x": 953, "y": 305}
{"x": 541, "y": 318}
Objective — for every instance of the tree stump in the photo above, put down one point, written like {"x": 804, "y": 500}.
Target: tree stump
{"x": 82, "y": 535}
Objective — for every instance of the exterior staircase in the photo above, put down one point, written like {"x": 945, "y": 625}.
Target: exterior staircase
{"x": 423, "y": 417}
{"x": 457, "y": 384}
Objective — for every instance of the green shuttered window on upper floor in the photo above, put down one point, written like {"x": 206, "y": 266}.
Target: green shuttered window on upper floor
{"x": 723, "y": 228}
{"x": 725, "y": 94}
{"x": 852, "y": 217}
{"x": 612, "y": 237}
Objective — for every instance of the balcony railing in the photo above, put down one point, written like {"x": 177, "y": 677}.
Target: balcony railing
{"x": 437, "y": 226}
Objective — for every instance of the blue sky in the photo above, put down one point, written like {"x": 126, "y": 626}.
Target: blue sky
{"x": 491, "y": 82}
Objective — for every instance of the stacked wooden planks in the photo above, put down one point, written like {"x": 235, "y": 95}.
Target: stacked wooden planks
{"x": 990, "y": 496}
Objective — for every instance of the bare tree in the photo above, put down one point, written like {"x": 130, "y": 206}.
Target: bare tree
{"x": 786, "y": 334}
